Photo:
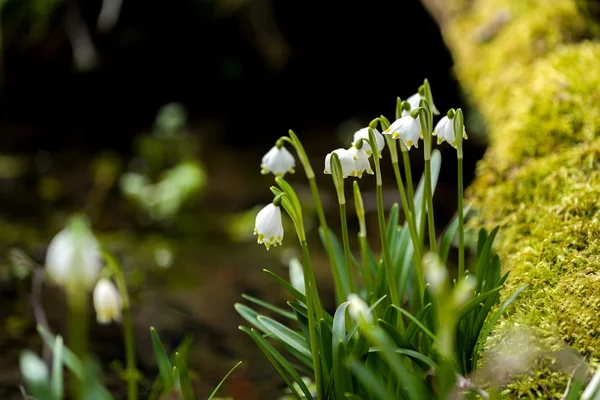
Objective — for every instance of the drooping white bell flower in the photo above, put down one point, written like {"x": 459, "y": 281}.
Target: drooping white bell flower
{"x": 107, "y": 302}
{"x": 359, "y": 310}
{"x": 268, "y": 226}
{"x": 346, "y": 160}
{"x": 407, "y": 128}
{"x": 444, "y": 130}
{"x": 414, "y": 101}
{"x": 364, "y": 134}
{"x": 73, "y": 257}
{"x": 278, "y": 162}
{"x": 361, "y": 161}
{"x": 297, "y": 275}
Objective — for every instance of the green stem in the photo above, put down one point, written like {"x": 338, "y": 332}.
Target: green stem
{"x": 346, "y": 242}
{"x": 387, "y": 259}
{"x": 78, "y": 331}
{"x": 409, "y": 180}
{"x": 408, "y": 215}
{"x": 429, "y": 199}
{"x": 461, "y": 228}
{"x": 314, "y": 349}
{"x": 364, "y": 254}
{"x": 337, "y": 280}
{"x": 310, "y": 175}
{"x": 412, "y": 228}
{"x": 131, "y": 374}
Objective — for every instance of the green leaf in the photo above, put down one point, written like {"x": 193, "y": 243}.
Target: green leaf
{"x": 411, "y": 330}
{"x": 223, "y": 380}
{"x": 340, "y": 260}
{"x": 287, "y": 286}
{"x": 411, "y": 385}
{"x": 417, "y": 322}
{"x": 165, "y": 369}
{"x": 392, "y": 225}
{"x": 424, "y": 360}
{"x": 492, "y": 274}
{"x": 492, "y": 321}
{"x": 436, "y": 165}
{"x": 34, "y": 371}
{"x": 73, "y": 364}
{"x": 286, "y": 335}
{"x": 57, "y": 368}
{"x": 69, "y": 358}
{"x": 342, "y": 377}
{"x": 484, "y": 259}
{"x": 187, "y": 391}
{"x": 371, "y": 381}
{"x": 271, "y": 307}
{"x": 577, "y": 383}
{"x": 482, "y": 236}
{"x": 326, "y": 345}
{"x": 338, "y": 333}
{"x": 474, "y": 303}
{"x": 279, "y": 362}
{"x": 448, "y": 235}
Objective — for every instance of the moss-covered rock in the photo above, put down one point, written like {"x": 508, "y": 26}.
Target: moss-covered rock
{"x": 533, "y": 71}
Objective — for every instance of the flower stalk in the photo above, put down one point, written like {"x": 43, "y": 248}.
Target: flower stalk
{"x": 338, "y": 180}
{"x": 387, "y": 259}
{"x": 426, "y": 119}
{"x": 458, "y": 132}
{"x": 131, "y": 373}
{"x": 310, "y": 175}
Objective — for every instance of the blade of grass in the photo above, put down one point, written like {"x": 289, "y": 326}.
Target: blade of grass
{"x": 223, "y": 380}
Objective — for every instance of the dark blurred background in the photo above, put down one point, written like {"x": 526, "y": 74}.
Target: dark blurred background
{"x": 81, "y": 83}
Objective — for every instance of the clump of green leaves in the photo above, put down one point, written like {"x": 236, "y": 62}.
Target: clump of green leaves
{"x": 408, "y": 330}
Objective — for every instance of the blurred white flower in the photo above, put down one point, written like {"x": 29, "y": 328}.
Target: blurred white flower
{"x": 359, "y": 310}
{"x": 297, "y": 275}
{"x": 464, "y": 291}
{"x": 364, "y": 134}
{"x": 346, "y": 160}
{"x": 268, "y": 226}
{"x": 435, "y": 272}
{"x": 73, "y": 256}
{"x": 407, "y": 128}
{"x": 107, "y": 302}
{"x": 361, "y": 161}
{"x": 278, "y": 162}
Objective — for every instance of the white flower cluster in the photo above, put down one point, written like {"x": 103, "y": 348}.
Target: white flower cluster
{"x": 408, "y": 129}
{"x": 355, "y": 161}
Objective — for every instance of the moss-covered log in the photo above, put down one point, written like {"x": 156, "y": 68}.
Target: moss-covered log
{"x": 532, "y": 68}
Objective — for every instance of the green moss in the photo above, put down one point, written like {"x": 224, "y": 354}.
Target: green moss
{"x": 550, "y": 239}
{"x": 535, "y": 80}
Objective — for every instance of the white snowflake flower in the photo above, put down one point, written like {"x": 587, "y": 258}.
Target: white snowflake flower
{"x": 278, "y": 162}
{"x": 359, "y": 310}
{"x": 107, "y": 302}
{"x": 268, "y": 226}
{"x": 414, "y": 101}
{"x": 444, "y": 130}
{"x": 364, "y": 134}
{"x": 407, "y": 128}
{"x": 73, "y": 257}
{"x": 361, "y": 161}
{"x": 346, "y": 160}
